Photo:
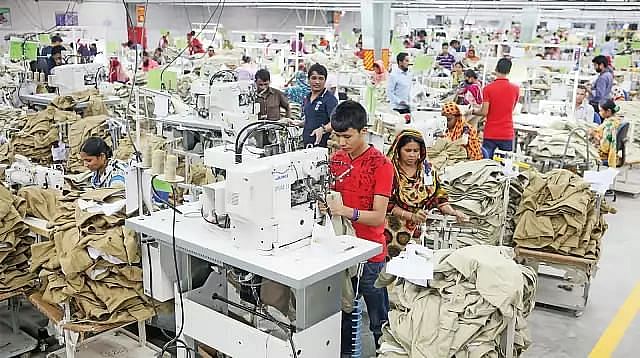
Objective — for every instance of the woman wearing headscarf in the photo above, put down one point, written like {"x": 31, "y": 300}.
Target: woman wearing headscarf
{"x": 416, "y": 190}
{"x": 379, "y": 72}
{"x": 458, "y": 129}
{"x": 607, "y": 133}
{"x": 298, "y": 92}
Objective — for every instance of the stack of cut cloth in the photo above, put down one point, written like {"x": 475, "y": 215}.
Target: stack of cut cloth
{"x": 95, "y": 104}
{"x": 550, "y": 144}
{"x": 79, "y": 132}
{"x": 14, "y": 245}
{"x": 477, "y": 189}
{"x": 92, "y": 262}
{"x": 558, "y": 214}
{"x": 630, "y": 112}
{"x": 40, "y": 133}
{"x": 12, "y": 119}
{"x": 445, "y": 153}
{"x": 474, "y": 294}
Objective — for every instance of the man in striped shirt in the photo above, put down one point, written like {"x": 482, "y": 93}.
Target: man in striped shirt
{"x": 445, "y": 59}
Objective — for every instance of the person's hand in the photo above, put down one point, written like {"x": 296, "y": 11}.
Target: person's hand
{"x": 335, "y": 206}
{"x": 324, "y": 209}
{"x": 419, "y": 217}
{"x": 461, "y": 217}
{"x": 318, "y": 133}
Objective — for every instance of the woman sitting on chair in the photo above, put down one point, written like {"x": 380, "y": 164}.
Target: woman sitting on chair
{"x": 606, "y": 133}
{"x": 415, "y": 191}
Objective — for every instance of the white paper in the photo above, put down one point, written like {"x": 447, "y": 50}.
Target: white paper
{"x": 103, "y": 208}
{"x": 95, "y": 253}
{"x": 59, "y": 153}
{"x": 161, "y": 105}
{"x": 416, "y": 269}
{"x": 601, "y": 181}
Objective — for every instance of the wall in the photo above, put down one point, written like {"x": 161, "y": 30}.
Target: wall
{"x": 103, "y": 19}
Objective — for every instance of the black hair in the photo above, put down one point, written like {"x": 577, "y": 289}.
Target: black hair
{"x": 159, "y": 49}
{"x": 145, "y": 53}
{"x": 600, "y": 60}
{"x": 210, "y": 48}
{"x": 263, "y": 75}
{"x": 582, "y": 87}
{"x": 348, "y": 114}
{"x": 401, "y": 56}
{"x": 192, "y": 33}
{"x": 609, "y": 104}
{"x": 95, "y": 146}
{"x": 56, "y": 38}
{"x": 56, "y": 50}
{"x": 300, "y": 35}
{"x": 454, "y": 42}
{"x": 318, "y": 69}
{"x": 470, "y": 73}
{"x": 445, "y": 44}
{"x": 246, "y": 59}
{"x": 503, "y": 66}
{"x": 408, "y": 138}
{"x": 129, "y": 43}
{"x": 458, "y": 63}
{"x": 607, "y": 38}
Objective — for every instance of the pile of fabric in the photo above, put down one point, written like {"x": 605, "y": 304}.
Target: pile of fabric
{"x": 474, "y": 294}
{"x": 14, "y": 244}
{"x": 12, "y": 118}
{"x": 40, "y": 133}
{"x": 92, "y": 261}
{"x": 79, "y": 132}
{"x": 445, "y": 153}
{"x": 477, "y": 189}
{"x": 550, "y": 144}
{"x": 95, "y": 104}
{"x": 558, "y": 214}
{"x": 125, "y": 147}
{"x": 630, "y": 112}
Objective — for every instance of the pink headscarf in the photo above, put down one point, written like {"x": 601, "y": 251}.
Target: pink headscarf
{"x": 382, "y": 76}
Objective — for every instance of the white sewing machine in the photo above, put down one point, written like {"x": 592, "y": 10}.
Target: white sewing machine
{"x": 24, "y": 173}
{"x": 75, "y": 77}
{"x": 269, "y": 201}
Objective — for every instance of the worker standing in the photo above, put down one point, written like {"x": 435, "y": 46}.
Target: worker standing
{"x": 269, "y": 98}
{"x": 499, "y": 100}
{"x": 601, "y": 89}
{"x": 399, "y": 85}
{"x": 365, "y": 184}
{"x": 317, "y": 108}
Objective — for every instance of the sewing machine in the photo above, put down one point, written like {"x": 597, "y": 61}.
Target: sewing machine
{"x": 75, "y": 77}
{"x": 24, "y": 173}
{"x": 269, "y": 201}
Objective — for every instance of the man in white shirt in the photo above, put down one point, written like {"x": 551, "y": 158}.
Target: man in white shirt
{"x": 584, "y": 111}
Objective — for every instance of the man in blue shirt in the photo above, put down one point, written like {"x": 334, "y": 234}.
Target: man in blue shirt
{"x": 601, "y": 89}
{"x": 399, "y": 85}
{"x": 317, "y": 109}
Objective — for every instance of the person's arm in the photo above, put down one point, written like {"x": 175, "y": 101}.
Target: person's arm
{"x": 374, "y": 217}
{"x": 391, "y": 89}
{"x": 483, "y": 110}
{"x": 284, "y": 103}
{"x": 598, "y": 89}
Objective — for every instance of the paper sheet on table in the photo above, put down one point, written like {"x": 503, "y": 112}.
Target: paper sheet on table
{"x": 104, "y": 208}
{"x": 601, "y": 181}
{"x": 415, "y": 268}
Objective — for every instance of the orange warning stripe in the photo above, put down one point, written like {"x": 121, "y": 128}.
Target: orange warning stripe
{"x": 369, "y": 59}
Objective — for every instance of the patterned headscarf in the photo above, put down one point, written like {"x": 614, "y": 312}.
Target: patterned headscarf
{"x": 451, "y": 108}
{"x": 410, "y": 194}
{"x": 459, "y": 128}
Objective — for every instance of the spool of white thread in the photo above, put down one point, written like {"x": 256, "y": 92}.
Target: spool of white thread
{"x": 170, "y": 167}
{"x": 157, "y": 162}
{"x": 147, "y": 156}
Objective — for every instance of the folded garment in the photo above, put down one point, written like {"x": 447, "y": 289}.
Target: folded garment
{"x": 474, "y": 293}
{"x": 445, "y": 153}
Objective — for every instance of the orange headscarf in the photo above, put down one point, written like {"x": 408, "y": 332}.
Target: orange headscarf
{"x": 459, "y": 128}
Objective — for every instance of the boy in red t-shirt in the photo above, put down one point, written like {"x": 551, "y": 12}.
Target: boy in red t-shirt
{"x": 499, "y": 100}
{"x": 364, "y": 178}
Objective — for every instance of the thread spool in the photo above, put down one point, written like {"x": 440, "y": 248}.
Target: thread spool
{"x": 170, "y": 167}
{"x": 147, "y": 156}
{"x": 43, "y": 77}
{"x": 157, "y": 162}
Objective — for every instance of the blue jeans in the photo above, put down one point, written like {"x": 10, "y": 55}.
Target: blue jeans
{"x": 489, "y": 146}
{"x": 377, "y": 301}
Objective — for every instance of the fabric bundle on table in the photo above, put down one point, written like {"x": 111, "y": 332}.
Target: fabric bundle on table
{"x": 474, "y": 294}
{"x": 14, "y": 245}
{"x": 93, "y": 261}
{"x": 630, "y": 112}
{"x": 550, "y": 144}
{"x": 477, "y": 189}
{"x": 95, "y": 104}
{"x": 445, "y": 153}
{"x": 12, "y": 118}
{"x": 558, "y": 214}
{"x": 40, "y": 133}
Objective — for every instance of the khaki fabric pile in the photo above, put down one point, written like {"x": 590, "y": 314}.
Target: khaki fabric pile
{"x": 558, "y": 214}
{"x": 92, "y": 261}
{"x": 6, "y": 153}
{"x": 12, "y": 118}
{"x": 549, "y": 144}
{"x": 474, "y": 294}
{"x": 445, "y": 153}
{"x": 95, "y": 104}
{"x": 14, "y": 245}
{"x": 630, "y": 112}
{"x": 477, "y": 189}
{"x": 40, "y": 133}
{"x": 79, "y": 132}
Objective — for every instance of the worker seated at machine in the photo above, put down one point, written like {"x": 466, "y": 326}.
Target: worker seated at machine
{"x": 458, "y": 129}
{"x": 605, "y": 135}
{"x": 97, "y": 156}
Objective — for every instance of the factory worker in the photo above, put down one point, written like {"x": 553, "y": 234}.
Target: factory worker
{"x": 97, "y": 156}
{"x": 606, "y": 134}
{"x": 459, "y": 130}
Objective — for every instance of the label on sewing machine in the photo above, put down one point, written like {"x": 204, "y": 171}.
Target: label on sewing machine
{"x": 59, "y": 153}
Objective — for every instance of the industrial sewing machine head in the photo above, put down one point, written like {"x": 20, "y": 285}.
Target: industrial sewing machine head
{"x": 24, "y": 173}
{"x": 269, "y": 203}
{"x": 75, "y": 77}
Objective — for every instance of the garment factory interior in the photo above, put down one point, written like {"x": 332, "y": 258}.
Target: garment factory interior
{"x": 319, "y": 179}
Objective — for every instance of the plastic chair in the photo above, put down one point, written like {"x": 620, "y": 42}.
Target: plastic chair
{"x": 621, "y": 140}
